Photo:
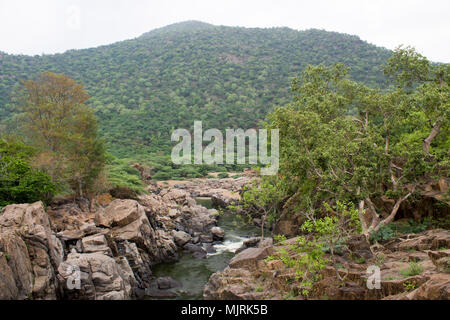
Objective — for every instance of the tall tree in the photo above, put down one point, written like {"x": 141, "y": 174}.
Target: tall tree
{"x": 342, "y": 141}
{"x": 57, "y": 121}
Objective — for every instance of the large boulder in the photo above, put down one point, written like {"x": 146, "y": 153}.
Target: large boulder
{"x": 167, "y": 283}
{"x": 224, "y": 198}
{"x": 32, "y": 252}
{"x": 249, "y": 258}
{"x": 218, "y": 233}
{"x": 129, "y": 222}
{"x": 100, "y": 277}
{"x": 119, "y": 213}
{"x": 289, "y": 224}
{"x": 181, "y": 238}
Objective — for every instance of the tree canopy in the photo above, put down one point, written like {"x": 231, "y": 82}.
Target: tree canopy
{"x": 343, "y": 141}
{"x": 57, "y": 122}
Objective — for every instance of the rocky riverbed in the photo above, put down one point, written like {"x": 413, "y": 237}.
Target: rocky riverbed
{"x": 170, "y": 243}
{"x": 105, "y": 248}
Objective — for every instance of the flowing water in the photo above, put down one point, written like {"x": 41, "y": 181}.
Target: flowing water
{"x": 194, "y": 273}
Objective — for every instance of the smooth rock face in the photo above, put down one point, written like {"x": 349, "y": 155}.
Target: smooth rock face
{"x": 130, "y": 223}
{"x": 119, "y": 213}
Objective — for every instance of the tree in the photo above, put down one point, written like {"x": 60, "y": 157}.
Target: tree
{"x": 335, "y": 228}
{"x": 63, "y": 128}
{"x": 341, "y": 140}
{"x": 262, "y": 199}
{"x": 410, "y": 69}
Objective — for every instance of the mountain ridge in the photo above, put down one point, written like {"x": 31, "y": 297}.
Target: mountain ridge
{"x": 143, "y": 88}
{"x": 177, "y": 27}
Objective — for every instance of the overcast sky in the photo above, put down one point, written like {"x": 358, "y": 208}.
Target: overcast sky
{"x": 51, "y": 26}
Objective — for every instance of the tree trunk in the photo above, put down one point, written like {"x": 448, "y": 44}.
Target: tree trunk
{"x": 263, "y": 221}
{"x": 392, "y": 215}
{"x": 361, "y": 211}
{"x": 427, "y": 142}
{"x": 80, "y": 189}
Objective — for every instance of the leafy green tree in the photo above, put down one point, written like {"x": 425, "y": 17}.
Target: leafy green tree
{"x": 19, "y": 181}
{"x": 262, "y": 199}
{"x": 341, "y": 140}
{"x": 63, "y": 128}
{"x": 409, "y": 69}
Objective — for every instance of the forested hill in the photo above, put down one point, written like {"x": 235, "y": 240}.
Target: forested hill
{"x": 226, "y": 76}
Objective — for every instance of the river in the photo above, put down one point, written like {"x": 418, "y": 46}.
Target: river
{"x": 194, "y": 273}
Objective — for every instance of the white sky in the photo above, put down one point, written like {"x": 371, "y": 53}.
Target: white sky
{"x": 50, "y": 26}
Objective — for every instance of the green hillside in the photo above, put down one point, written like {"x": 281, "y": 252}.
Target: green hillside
{"x": 141, "y": 89}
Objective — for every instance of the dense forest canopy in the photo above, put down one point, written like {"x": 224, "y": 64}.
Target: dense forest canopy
{"x": 141, "y": 89}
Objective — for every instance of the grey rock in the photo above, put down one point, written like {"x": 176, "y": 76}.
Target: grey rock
{"x": 181, "y": 238}
{"x": 167, "y": 283}
{"x": 218, "y": 233}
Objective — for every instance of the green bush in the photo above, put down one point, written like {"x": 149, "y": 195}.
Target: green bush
{"x": 395, "y": 229}
{"x": 122, "y": 175}
{"x": 223, "y": 175}
{"x": 308, "y": 262}
{"x": 19, "y": 181}
{"x": 121, "y": 192}
{"x": 413, "y": 270}
{"x": 162, "y": 176}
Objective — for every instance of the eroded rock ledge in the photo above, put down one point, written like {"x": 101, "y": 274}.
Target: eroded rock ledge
{"x": 250, "y": 276}
{"x": 222, "y": 192}
{"x": 109, "y": 245}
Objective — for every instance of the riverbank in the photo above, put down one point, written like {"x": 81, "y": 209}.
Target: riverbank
{"x": 410, "y": 267}
{"x": 105, "y": 248}
{"x": 192, "y": 273}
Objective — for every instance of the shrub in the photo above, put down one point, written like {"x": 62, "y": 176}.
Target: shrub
{"x": 122, "y": 192}
{"x": 414, "y": 269}
{"x": 308, "y": 262}
{"x": 19, "y": 181}
{"x": 409, "y": 286}
{"x": 398, "y": 228}
{"x": 121, "y": 174}
{"x": 223, "y": 175}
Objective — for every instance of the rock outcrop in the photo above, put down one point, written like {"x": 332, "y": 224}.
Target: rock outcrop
{"x": 222, "y": 192}
{"x": 30, "y": 253}
{"x": 412, "y": 267}
{"x": 101, "y": 249}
